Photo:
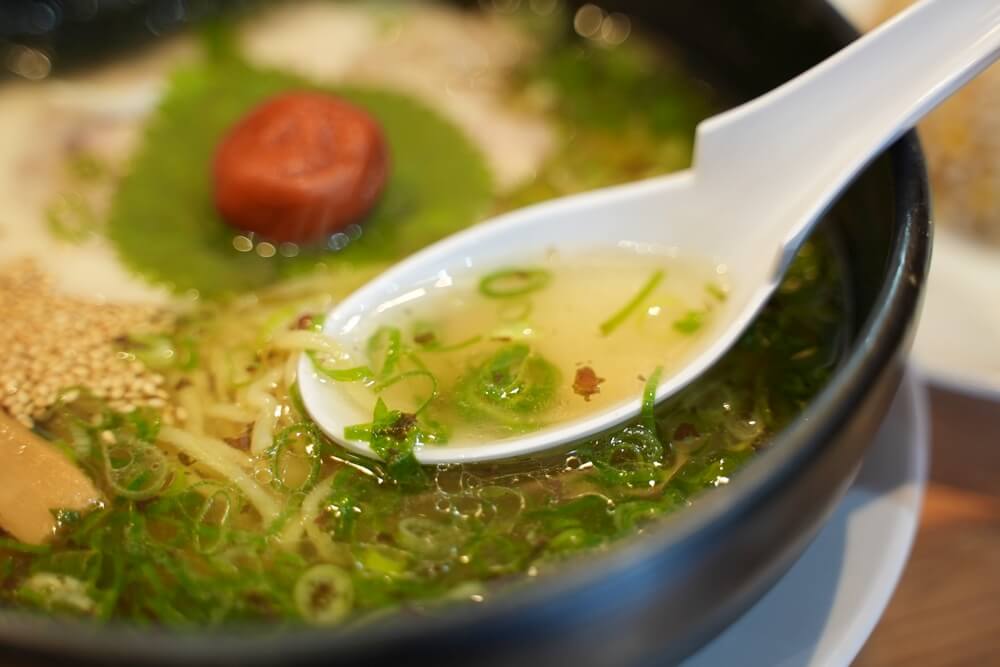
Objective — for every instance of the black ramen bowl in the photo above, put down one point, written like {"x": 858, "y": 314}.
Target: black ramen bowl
{"x": 656, "y": 598}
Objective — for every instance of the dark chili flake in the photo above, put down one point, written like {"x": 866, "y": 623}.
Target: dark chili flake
{"x": 502, "y": 339}
{"x": 425, "y": 338}
{"x": 305, "y": 322}
{"x": 242, "y": 441}
{"x": 587, "y": 383}
{"x": 321, "y": 595}
{"x": 685, "y": 431}
{"x": 400, "y": 429}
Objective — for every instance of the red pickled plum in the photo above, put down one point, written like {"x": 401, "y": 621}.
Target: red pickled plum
{"x": 299, "y": 167}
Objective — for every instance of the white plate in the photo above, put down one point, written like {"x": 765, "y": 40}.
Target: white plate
{"x": 826, "y": 606}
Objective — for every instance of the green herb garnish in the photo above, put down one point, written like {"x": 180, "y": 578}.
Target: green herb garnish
{"x": 195, "y": 553}
{"x": 512, "y": 387}
{"x": 163, "y": 352}
{"x": 384, "y": 349}
{"x": 355, "y": 374}
{"x": 392, "y": 435}
{"x": 425, "y": 336}
{"x": 616, "y": 320}
{"x": 648, "y": 413}
{"x": 324, "y": 594}
{"x": 691, "y": 322}
{"x": 717, "y": 292}
{"x": 432, "y": 385}
{"x": 509, "y": 283}
{"x": 295, "y": 458}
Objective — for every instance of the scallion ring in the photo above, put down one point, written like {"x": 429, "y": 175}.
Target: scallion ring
{"x": 508, "y": 283}
{"x": 324, "y": 594}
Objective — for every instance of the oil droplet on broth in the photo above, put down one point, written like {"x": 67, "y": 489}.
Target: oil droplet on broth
{"x": 534, "y": 343}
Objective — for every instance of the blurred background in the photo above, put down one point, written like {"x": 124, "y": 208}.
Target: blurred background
{"x": 37, "y": 35}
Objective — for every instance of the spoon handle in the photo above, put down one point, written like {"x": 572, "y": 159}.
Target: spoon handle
{"x": 785, "y": 155}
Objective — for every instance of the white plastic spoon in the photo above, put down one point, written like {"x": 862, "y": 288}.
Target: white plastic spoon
{"x": 764, "y": 174}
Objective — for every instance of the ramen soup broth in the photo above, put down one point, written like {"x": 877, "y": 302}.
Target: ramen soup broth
{"x": 525, "y": 347}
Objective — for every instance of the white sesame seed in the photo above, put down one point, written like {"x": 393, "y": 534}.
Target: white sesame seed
{"x": 54, "y": 341}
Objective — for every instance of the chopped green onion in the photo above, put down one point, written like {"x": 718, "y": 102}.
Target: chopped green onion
{"x": 392, "y": 436}
{"x": 7, "y": 544}
{"x": 494, "y": 554}
{"x": 161, "y": 352}
{"x": 628, "y": 516}
{"x": 318, "y": 321}
{"x": 324, "y": 594}
{"x": 426, "y": 337}
{"x": 427, "y": 537}
{"x": 362, "y": 432}
{"x": 690, "y": 323}
{"x": 714, "y": 469}
{"x": 507, "y": 283}
{"x": 648, "y": 412}
{"x": 716, "y": 291}
{"x": 468, "y": 342}
{"x": 506, "y": 503}
{"x": 297, "y": 443}
{"x": 616, "y": 320}
{"x": 156, "y": 352}
{"x": 384, "y": 350}
{"x": 211, "y": 521}
{"x": 356, "y": 374}
{"x": 632, "y": 457}
{"x": 510, "y": 387}
{"x": 136, "y": 471}
{"x": 438, "y": 347}
{"x": 383, "y": 560}
{"x": 385, "y": 384}
{"x": 187, "y": 354}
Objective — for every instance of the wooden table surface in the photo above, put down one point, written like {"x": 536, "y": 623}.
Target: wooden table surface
{"x": 946, "y": 610}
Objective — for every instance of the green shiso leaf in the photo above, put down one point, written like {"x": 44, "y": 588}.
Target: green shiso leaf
{"x": 164, "y": 224}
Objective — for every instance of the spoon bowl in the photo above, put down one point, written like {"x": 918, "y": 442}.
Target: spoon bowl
{"x": 764, "y": 174}
{"x": 633, "y": 217}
